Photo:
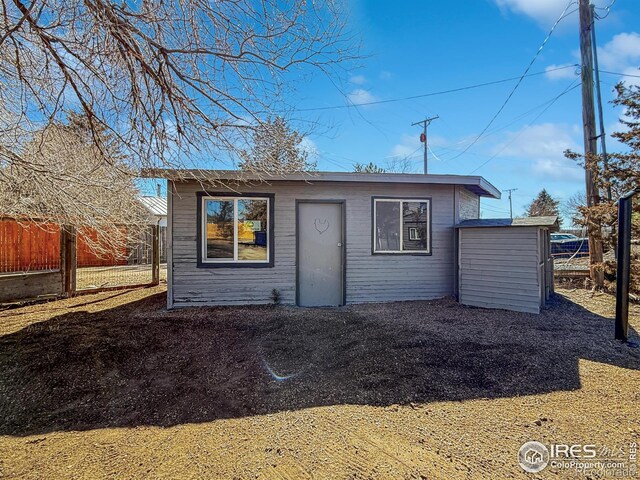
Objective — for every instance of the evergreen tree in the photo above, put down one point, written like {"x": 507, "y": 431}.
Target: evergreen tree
{"x": 544, "y": 205}
{"x": 276, "y": 149}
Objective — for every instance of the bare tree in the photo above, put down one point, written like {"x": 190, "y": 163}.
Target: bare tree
{"x": 400, "y": 165}
{"x": 573, "y": 206}
{"x": 172, "y": 82}
{"x": 66, "y": 180}
{"x": 368, "y": 168}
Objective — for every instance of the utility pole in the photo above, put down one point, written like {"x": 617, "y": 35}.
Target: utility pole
{"x": 590, "y": 145}
{"x": 423, "y": 138}
{"x": 603, "y": 143}
{"x": 510, "y": 191}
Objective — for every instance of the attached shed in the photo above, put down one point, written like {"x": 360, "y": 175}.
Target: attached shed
{"x": 505, "y": 263}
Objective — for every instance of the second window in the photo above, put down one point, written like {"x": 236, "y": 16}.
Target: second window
{"x": 401, "y": 225}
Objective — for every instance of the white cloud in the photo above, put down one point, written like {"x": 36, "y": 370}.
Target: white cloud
{"x": 620, "y": 52}
{"x": 309, "y": 146}
{"x": 358, "y": 79}
{"x": 633, "y": 78}
{"x": 407, "y": 145}
{"x": 385, "y": 75}
{"x": 543, "y": 145}
{"x": 557, "y": 72}
{"x": 543, "y": 11}
{"x": 360, "y": 96}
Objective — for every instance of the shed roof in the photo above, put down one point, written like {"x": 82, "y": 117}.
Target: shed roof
{"x": 155, "y": 205}
{"x": 473, "y": 183}
{"x": 550, "y": 222}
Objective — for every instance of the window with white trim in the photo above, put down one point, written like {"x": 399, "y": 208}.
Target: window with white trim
{"x": 401, "y": 225}
{"x": 235, "y": 230}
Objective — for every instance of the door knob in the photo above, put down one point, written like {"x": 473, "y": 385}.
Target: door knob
{"x": 339, "y": 244}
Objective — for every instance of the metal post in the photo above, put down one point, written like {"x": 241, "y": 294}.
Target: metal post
{"x": 625, "y": 206}
{"x": 155, "y": 252}
{"x": 590, "y": 139}
{"x": 69, "y": 236}
{"x": 603, "y": 140}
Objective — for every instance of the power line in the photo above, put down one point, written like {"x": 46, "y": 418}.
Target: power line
{"x": 495, "y": 210}
{"x": 448, "y": 148}
{"x": 567, "y": 90}
{"x": 434, "y": 155}
{"x": 513, "y": 90}
{"x": 620, "y": 74}
{"x": 431, "y": 94}
{"x": 607, "y": 8}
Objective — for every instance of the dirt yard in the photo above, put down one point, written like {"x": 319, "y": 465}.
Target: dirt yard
{"x": 88, "y": 278}
{"x": 113, "y": 386}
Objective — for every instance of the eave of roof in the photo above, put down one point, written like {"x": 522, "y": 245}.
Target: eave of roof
{"x": 155, "y": 205}
{"x": 548, "y": 221}
{"x": 473, "y": 183}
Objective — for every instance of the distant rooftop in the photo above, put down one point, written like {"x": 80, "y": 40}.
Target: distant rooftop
{"x": 550, "y": 221}
{"x": 473, "y": 183}
{"x": 155, "y": 205}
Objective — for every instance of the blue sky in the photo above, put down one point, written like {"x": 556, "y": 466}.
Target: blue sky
{"x": 419, "y": 47}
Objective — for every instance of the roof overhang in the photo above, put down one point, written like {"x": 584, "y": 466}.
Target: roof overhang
{"x": 155, "y": 205}
{"x": 550, "y": 222}
{"x": 473, "y": 183}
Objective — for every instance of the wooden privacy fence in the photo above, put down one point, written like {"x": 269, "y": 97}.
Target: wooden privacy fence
{"x": 48, "y": 260}
{"x": 27, "y": 246}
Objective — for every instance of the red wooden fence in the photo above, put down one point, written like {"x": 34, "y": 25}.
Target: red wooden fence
{"x": 86, "y": 256}
{"x": 27, "y": 246}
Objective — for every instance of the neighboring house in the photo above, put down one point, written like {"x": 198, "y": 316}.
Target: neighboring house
{"x": 156, "y": 206}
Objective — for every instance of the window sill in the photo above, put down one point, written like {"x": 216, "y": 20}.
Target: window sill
{"x": 235, "y": 265}
{"x": 412, "y": 254}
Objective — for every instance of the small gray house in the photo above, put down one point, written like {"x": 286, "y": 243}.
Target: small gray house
{"x": 319, "y": 239}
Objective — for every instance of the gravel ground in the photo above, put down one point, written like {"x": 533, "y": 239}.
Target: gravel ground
{"x": 113, "y": 386}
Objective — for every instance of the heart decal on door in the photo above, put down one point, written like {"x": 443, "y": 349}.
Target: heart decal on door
{"x": 321, "y": 225}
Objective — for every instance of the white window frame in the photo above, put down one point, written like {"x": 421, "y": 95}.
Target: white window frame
{"x": 426, "y": 251}
{"x": 203, "y": 230}
{"x": 414, "y": 234}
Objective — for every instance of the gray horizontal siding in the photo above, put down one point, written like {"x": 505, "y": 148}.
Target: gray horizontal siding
{"x": 468, "y": 204}
{"x": 369, "y": 277}
{"x": 498, "y": 268}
